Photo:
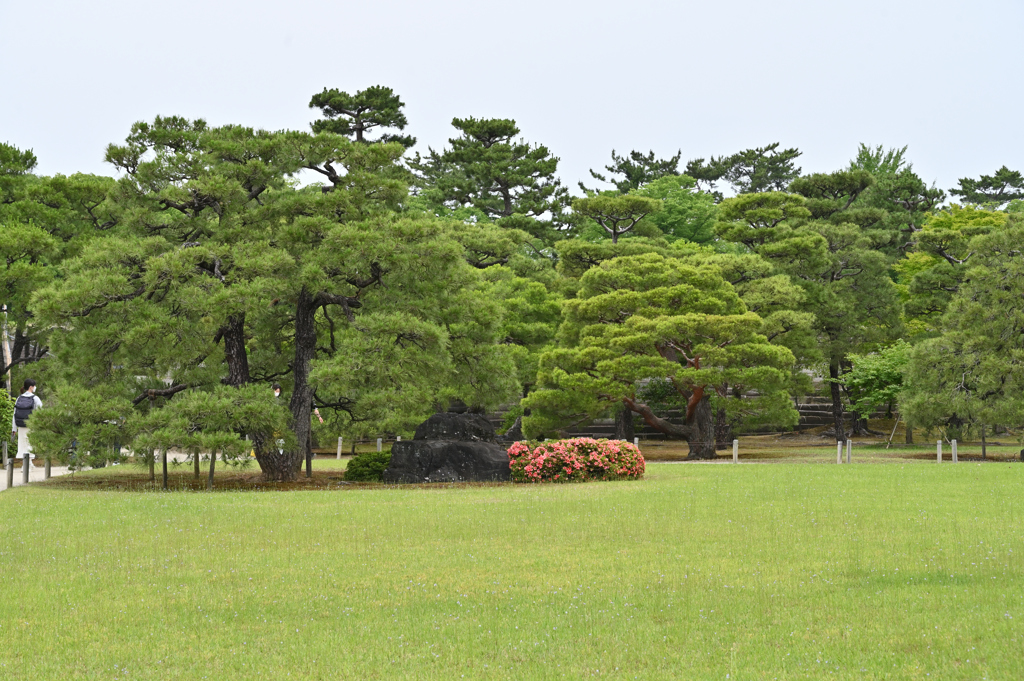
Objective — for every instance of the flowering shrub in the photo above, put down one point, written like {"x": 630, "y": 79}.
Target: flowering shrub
{"x": 575, "y": 460}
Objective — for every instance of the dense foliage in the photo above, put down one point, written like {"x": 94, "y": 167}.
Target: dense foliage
{"x": 368, "y": 466}
{"x": 378, "y": 285}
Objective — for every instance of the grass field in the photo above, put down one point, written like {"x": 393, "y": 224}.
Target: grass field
{"x": 902, "y": 571}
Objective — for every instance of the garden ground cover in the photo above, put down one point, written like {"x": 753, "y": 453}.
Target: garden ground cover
{"x": 903, "y": 571}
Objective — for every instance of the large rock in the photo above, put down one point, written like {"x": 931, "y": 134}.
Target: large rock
{"x": 455, "y": 427}
{"x": 447, "y": 461}
{"x": 515, "y": 433}
{"x": 449, "y": 448}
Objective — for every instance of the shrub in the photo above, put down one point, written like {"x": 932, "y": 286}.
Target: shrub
{"x": 575, "y": 460}
{"x": 368, "y": 466}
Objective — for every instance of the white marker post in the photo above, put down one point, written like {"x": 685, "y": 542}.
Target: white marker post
{"x": 399, "y": 439}
{"x": 636, "y": 441}
{"x": 954, "y": 450}
{"x": 839, "y": 452}
{"x": 735, "y": 451}
{"x": 339, "y": 447}
{"x": 849, "y": 448}
{"x": 379, "y": 444}
{"x": 938, "y": 451}
{"x": 25, "y": 463}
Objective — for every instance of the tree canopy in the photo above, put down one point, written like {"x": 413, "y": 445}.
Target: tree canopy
{"x": 157, "y": 307}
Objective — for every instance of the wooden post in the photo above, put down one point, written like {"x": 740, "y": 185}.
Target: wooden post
{"x": 954, "y": 450}
{"x": 893, "y": 433}
{"x": 10, "y": 470}
{"x": 849, "y": 449}
{"x": 983, "y": 443}
{"x": 379, "y": 442}
{"x": 25, "y": 463}
{"x": 735, "y": 451}
{"x": 165, "y": 467}
{"x": 46, "y": 469}
{"x": 339, "y": 447}
{"x": 938, "y": 451}
{"x": 5, "y": 451}
{"x": 152, "y": 465}
{"x": 839, "y": 451}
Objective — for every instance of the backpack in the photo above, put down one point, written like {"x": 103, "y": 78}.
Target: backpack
{"x": 23, "y": 407}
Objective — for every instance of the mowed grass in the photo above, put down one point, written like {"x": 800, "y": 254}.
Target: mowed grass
{"x": 902, "y": 571}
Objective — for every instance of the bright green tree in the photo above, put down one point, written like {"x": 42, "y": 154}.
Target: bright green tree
{"x": 42, "y": 221}
{"x": 831, "y": 249}
{"x": 973, "y": 374}
{"x": 897, "y": 190}
{"x": 933, "y": 273}
{"x": 685, "y": 212}
{"x": 617, "y": 215}
{"x": 876, "y": 379}
{"x": 647, "y": 318}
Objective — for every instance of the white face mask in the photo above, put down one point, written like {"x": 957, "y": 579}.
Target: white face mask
{"x": 277, "y": 393}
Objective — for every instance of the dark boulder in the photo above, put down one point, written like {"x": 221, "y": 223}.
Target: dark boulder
{"x": 447, "y": 461}
{"x": 455, "y": 427}
{"x": 449, "y": 448}
{"x": 515, "y": 433}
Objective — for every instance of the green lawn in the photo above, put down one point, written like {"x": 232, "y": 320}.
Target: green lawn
{"x": 902, "y": 571}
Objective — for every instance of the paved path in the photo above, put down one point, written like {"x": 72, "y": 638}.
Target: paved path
{"x": 35, "y": 474}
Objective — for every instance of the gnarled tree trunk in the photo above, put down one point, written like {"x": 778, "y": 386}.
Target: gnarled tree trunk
{"x": 624, "y": 423}
{"x": 723, "y": 430}
{"x": 275, "y": 464}
{"x": 698, "y": 431}
{"x": 234, "y": 351}
{"x": 702, "y": 435}
{"x": 302, "y": 396}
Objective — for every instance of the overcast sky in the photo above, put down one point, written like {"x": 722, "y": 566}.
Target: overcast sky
{"x": 583, "y": 78}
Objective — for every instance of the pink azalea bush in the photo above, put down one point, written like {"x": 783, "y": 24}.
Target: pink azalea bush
{"x": 577, "y": 459}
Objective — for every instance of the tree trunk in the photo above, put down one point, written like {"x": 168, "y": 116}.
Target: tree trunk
{"x": 723, "y": 430}
{"x": 657, "y": 423}
{"x": 309, "y": 455}
{"x": 152, "y": 466}
{"x": 277, "y": 466}
{"x": 910, "y": 432}
{"x": 213, "y": 465}
{"x": 165, "y": 467}
{"x": 624, "y": 423}
{"x": 837, "y": 402}
{"x": 983, "y": 448}
{"x": 234, "y": 351}
{"x": 302, "y": 396}
{"x": 702, "y": 436}
{"x": 195, "y": 464}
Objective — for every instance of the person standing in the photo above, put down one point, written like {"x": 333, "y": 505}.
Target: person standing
{"x": 26, "y": 403}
